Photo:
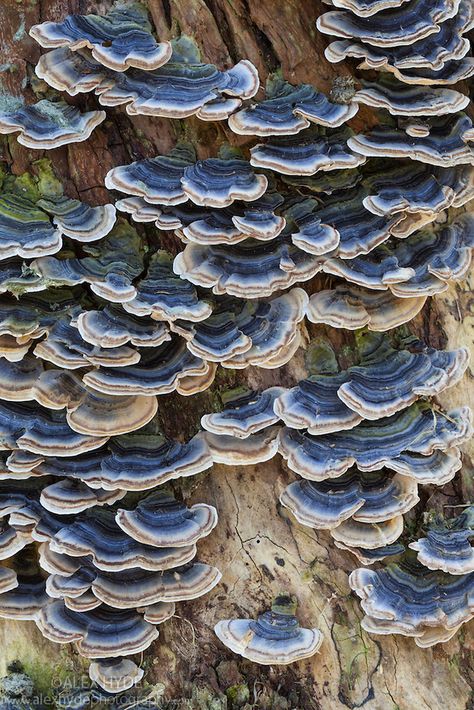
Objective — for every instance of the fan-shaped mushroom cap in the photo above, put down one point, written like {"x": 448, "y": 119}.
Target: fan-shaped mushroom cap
{"x": 162, "y": 521}
{"x": 258, "y": 219}
{"x": 254, "y": 449}
{"x": 88, "y": 411}
{"x": 421, "y": 265}
{"x": 394, "y": 27}
{"x": 79, "y": 221}
{"x": 120, "y": 39}
{"x": 385, "y": 381}
{"x": 377, "y": 554}
{"x": 47, "y": 124}
{"x": 159, "y": 612}
{"x": 156, "y": 180}
{"x": 134, "y": 588}
{"x": 311, "y": 233}
{"x": 99, "y": 538}
{"x": 440, "y": 53}
{"x": 137, "y": 588}
{"x": 163, "y": 295}
{"x": 42, "y": 431}
{"x": 417, "y": 187}
{"x": 355, "y": 534}
{"x": 42, "y": 524}
{"x": 8, "y": 579}
{"x": 307, "y": 154}
{"x": 242, "y": 333}
{"x": 64, "y": 346}
{"x": 405, "y": 598}
{"x": 248, "y": 270}
{"x": 314, "y": 405}
{"x": 141, "y": 211}
{"x": 11, "y": 350}
{"x": 366, "y": 8}
{"x": 245, "y": 412}
{"x": 447, "y": 144}
{"x": 114, "y": 675}
{"x": 104, "y": 415}
{"x": 24, "y": 601}
{"x": 181, "y": 89}
{"x": 112, "y": 327}
{"x": 451, "y": 73}
{"x": 110, "y": 268}
{"x": 14, "y": 497}
{"x": 138, "y": 462}
{"x": 33, "y": 316}
{"x": 219, "y": 336}
{"x": 218, "y": 182}
{"x": 67, "y": 497}
{"x": 343, "y": 226}
{"x": 54, "y": 562}
{"x": 11, "y": 540}
{"x": 373, "y": 498}
{"x": 449, "y": 551}
{"x": 287, "y": 110}
{"x": 20, "y": 462}
{"x": 424, "y": 373}
{"x": 25, "y": 230}
{"x": 185, "y": 86}
{"x": 28, "y": 380}
{"x": 133, "y": 462}
{"x": 102, "y": 632}
{"x": 226, "y": 225}
{"x": 352, "y": 308}
{"x": 158, "y": 372}
{"x": 431, "y": 372}
{"x": 74, "y": 72}
{"x": 233, "y": 224}
{"x": 424, "y": 638}
{"x": 402, "y": 100}
{"x": 448, "y": 547}
{"x": 404, "y": 443}
{"x": 275, "y": 638}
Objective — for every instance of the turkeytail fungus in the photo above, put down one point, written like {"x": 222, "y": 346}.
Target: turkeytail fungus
{"x": 237, "y": 259}
{"x": 275, "y": 638}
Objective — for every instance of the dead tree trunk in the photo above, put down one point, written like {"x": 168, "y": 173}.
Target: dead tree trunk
{"x": 258, "y": 548}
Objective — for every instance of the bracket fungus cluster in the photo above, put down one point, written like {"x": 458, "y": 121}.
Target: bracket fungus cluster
{"x": 80, "y": 375}
{"x": 419, "y": 42}
{"x": 428, "y": 595}
{"x": 362, "y": 439}
{"x": 99, "y": 323}
{"x": 126, "y": 66}
{"x": 118, "y": 568}
{"x": 47, "y": 124}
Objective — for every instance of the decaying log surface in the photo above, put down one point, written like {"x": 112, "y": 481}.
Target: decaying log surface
{"x": 258, "y": 548}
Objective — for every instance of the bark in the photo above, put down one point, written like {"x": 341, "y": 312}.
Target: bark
{"x": 257, "y": 547}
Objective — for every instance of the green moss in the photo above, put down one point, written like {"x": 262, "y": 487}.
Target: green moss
{"x": 47, "y": 182}
{"x": 238, "y": 695}
{"x": 320, "y": 358}
{"x": 42, "y": 182}
{"x": 24, "y": 185}
{"x": 229, "y": 152}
